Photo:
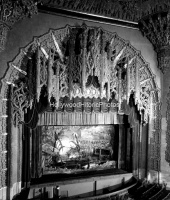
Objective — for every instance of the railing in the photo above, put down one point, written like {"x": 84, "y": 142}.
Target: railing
{"x": 118, "y": 195}
{"x": 134, "y": 188}
{"x": 156, "y": 192}
{"x": 153, "y": 192}
{"x": 121, "y": 194}
{"x": 141, "y": 190}
{"x": 148, "y": 192}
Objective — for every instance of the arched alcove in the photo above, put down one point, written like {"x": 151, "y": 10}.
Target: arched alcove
{"x": 74, "y": 62}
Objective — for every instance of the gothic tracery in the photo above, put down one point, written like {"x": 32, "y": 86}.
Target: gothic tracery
{"x": 70, "y": 62}
{"x": 105, "y": 67}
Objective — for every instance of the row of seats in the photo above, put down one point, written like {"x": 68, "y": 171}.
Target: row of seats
{"x": 167, "y": 197}
{"x": 149, "y": 191}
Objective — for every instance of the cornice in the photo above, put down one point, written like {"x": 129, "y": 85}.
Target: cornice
{"x": 129, "y": 10}
{"x": 87, "y": 16}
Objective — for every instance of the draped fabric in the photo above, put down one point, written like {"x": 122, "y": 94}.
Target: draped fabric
{"x": 131, "y": 110}
{"x": 83, "y": 104}
{"x": 90, "y": 115}
{"x": 32, "y": 139}
{"x": 26, "y": 177}
{"x": 31, "y": 167}
{"x": 79, "y": 118}
{"x": 136, "y": 147}
{"x": 36, "y": 158}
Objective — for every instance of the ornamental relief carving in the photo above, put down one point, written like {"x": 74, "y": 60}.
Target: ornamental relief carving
{"x": 67, "y": 62}
{"x": 155, "y": 132}
{"x": 12, "y": 12}
{"x": 124, "y": 67}
{"x": 157, "y": 29}
{"x": 44, "y": 69}
{"x": 3, "y": 36}
{"x": 167, "y": 152}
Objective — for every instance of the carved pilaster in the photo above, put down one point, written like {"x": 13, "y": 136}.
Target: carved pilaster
{"x": 3, "y": 35}
{"x": 11, "y": 12}
{"x": 157, "y": 29}
{"x": 164, "y": 58}
{"x": 167, "y": 152}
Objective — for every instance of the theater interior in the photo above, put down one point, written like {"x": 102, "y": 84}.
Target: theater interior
{"x": 85, "y": 99}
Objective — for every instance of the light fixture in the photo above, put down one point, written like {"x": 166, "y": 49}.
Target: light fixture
{"x": 43, "y": 50}
{"x": 10, "y": 83}
{"x": 20, "y": 70}
{"x": 57, "y": 47}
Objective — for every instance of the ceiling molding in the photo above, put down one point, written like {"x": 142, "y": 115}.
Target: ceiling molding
{"x": 129, "y": 10}
{"x": 124, "y": 13}
{"x": 87, "y": 16}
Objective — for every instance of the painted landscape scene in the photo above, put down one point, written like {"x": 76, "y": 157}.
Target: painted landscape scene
{"x": 68, "y": 149}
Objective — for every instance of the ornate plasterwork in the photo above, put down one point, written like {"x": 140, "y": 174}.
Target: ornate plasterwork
{"x": 3, "y": 142}
{"x": 3, "y": 35}
{"x": 3, "y": 156}
{"x": 20, "y": 101}
{"x": 157, "y": 29}
{"x": 167, "y": 152}
{"x": 125, "y": 72}
{"x": 155, "y": 139}
{"x": 72, "y": 62}
{"x": 11, "y": 12}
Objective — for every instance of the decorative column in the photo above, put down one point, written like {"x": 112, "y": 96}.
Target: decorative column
{"x": 3, "y": 35}
{"x": 156, "y": 28}
{"x": 10, "y": 182}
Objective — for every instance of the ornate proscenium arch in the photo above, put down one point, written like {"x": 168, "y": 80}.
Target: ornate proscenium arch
{"x": 79, "y": 62}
